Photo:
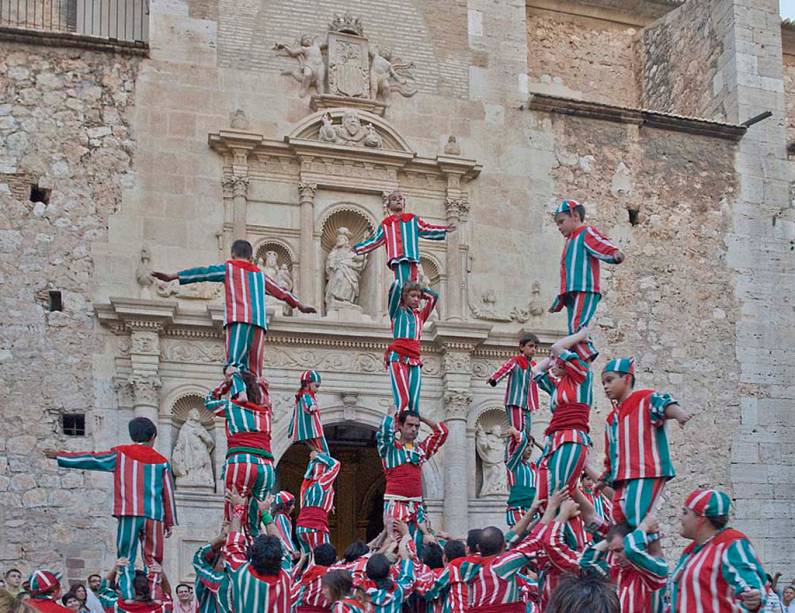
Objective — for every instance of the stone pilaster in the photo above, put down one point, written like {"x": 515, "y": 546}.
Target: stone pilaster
{"x": 456, "y": 207}
{"x": 240, "y": 205}
{"x": 456, "y": 406}
{"x": 145, "y": 361}
{"x": 306, "y": 198}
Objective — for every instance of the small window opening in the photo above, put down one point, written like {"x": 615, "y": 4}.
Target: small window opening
{"x": 74, "y": 424}
{"x": 633, "y": 217}
{"x": 55, "y": 300}
{"x": 40, "y": 194}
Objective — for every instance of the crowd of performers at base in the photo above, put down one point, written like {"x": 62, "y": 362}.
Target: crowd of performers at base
{"x": 578, "y": 540}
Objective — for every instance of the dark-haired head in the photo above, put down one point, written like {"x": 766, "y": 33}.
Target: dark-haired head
{"x": 433, "y": 555}
{"x": 241, "y": 249}
{"x": 338, "y": 584}
{"x": 252, "y": 387}
{"x": 265, "y": 554}
{"x": 528, "y": 338}
{"x": 325, "y": 554}
{"x": 620, "y": 530}
{"x": 142, "y": 430}
{"x": 473, "y": 540}
{"x": 354, "y": 551}
{"x": 719, "y": 522}
{"x": 491, "y": 541}
{"x": 140, "y": 586}
{"x": 454, "y": 549}
{"x": 377, "y": 570}
{"x": 583, "y": 594}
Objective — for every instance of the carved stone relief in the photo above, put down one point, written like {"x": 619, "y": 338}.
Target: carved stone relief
{"x": 343, "y": 268}
{"x": 345, "y": 66}
{"x": 349, "y": 131}
{"x": 191, "y": 458}
{"x": 490, "y": 446}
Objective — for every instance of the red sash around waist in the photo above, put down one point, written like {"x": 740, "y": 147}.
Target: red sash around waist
{"x": 404, "y": 480}
{"x": 313, "y": 517}
{"x": 259, "y": 440}
{"x": 572, "y": 416}
{"x": 406, "y": 347}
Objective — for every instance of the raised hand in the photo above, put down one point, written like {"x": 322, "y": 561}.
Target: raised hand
{"x": 164, "y": 276}
{"x": 50, "y": 453}
{"x": 304, "y": 308}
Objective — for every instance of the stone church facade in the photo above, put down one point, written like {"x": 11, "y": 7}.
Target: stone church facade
{"x": 215, "y": 121}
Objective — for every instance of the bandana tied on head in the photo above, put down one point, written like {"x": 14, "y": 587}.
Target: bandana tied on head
{"x": 708, "y": 503}
{"x": 624, "y": 366}
{"x": 567, "y": 206}
{"x": 43, "y": 582}
{"x": 310, "y": 376}
{"x": 283, "y": 499}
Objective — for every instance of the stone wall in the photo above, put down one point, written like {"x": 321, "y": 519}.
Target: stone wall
{"x": 788, "y": 46}
{"x": 682, "y": 53}
{"x": 64, "y": 126}
{"x": 675, "y": 278}
{"x": 582, "y": 57}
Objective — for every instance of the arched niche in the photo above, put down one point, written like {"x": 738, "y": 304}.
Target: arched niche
{"x": 489, "y": 418}
{"x": 276, "y": 259}
{"x": 354, "y": 222}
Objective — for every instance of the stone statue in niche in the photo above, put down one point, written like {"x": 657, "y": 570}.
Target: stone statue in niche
{"x": 349, "y": 132}
{"x": 271, "y": 264}
{"x": 311, "y": 70}
{"x": 143, "y": 274}
{"x": 425, "y": 281}
{"x": 283, "y": 277}
{"x": 491, "y": 450}
{"x": 388, "y": 74}
{"x": 343, "y": 268}
{"x": 191, "y": 458}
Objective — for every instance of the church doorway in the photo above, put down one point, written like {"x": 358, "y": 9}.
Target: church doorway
{"x": 359, "y": 499}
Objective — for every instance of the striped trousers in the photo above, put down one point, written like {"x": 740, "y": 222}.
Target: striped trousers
{"x": 245, "y": 350}
{"x": 254, "y": 478}
{"x": 580, "y": 309}
{"x": 131, "y": 531}
{"x": 634, "y": 498}
{"x": 306, "y": 426}
{"x": 562, "y": 469}
{"x": 309, "y": 538}
{"x": 406, "y": 382}
{"x": 408, "y": 512}
{"x": 518, "y": 418}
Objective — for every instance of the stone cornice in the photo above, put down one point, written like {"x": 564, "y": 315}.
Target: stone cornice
{"x": 639, "y": 117}
{"x": 171, "y": 321}
{"x": 638, "y": 13}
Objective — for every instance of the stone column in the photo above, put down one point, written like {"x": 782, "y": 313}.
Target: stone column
{"x": 306, "y": 197}
{"x": 239, "y": 207}
{"x": 456, "y": 404}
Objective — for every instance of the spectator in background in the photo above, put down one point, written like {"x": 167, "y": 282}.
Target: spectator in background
{"x": 788, "y": 599}
{"x": 185, "y": 602}
{"x": 79, "y": 591}
{"x": 91, "y": 601}
{"x": 70, "y": 601}
{"x": 14, "y": 581}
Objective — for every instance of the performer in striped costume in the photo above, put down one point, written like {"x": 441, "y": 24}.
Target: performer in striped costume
{"x": 718, "y": 572}
{"x": 44, "y": 588}
{"x": 571, "y": 396}
{"x": 245, "y": 318}
{"x": 249, "y": 461}
{"x": 637, "y": 457}
{"x": 521, "y": 394}
{"x": 632, "y": 559}
{"x": 282, "y": 509}
{"x": 602, "y": 506}
{"x": 521, "y": 475}
{"x": 307, "y": 592}
{"x": 254, "y": 571}
{"x": 143, "y": 497}
{"x": 388, "y": 595}
{"x": 580, "y": 291}
{"x": 305, "y": 424}
{"x": 435, "y": 588}
{"x": 317, "y": 501}
{"x": 402, "y": 461}
{"x": 400, "y": 233}
{"x": 144, "y": 602}
{"x": 402, "y": 357}
{"x": 337, "y": 587}
{"x": 212, "y": 583}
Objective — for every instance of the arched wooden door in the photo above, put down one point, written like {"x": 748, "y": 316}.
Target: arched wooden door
{"x": 359, "y": 487}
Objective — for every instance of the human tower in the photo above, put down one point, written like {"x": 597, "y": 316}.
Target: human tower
{"x": 563, "y": 514}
